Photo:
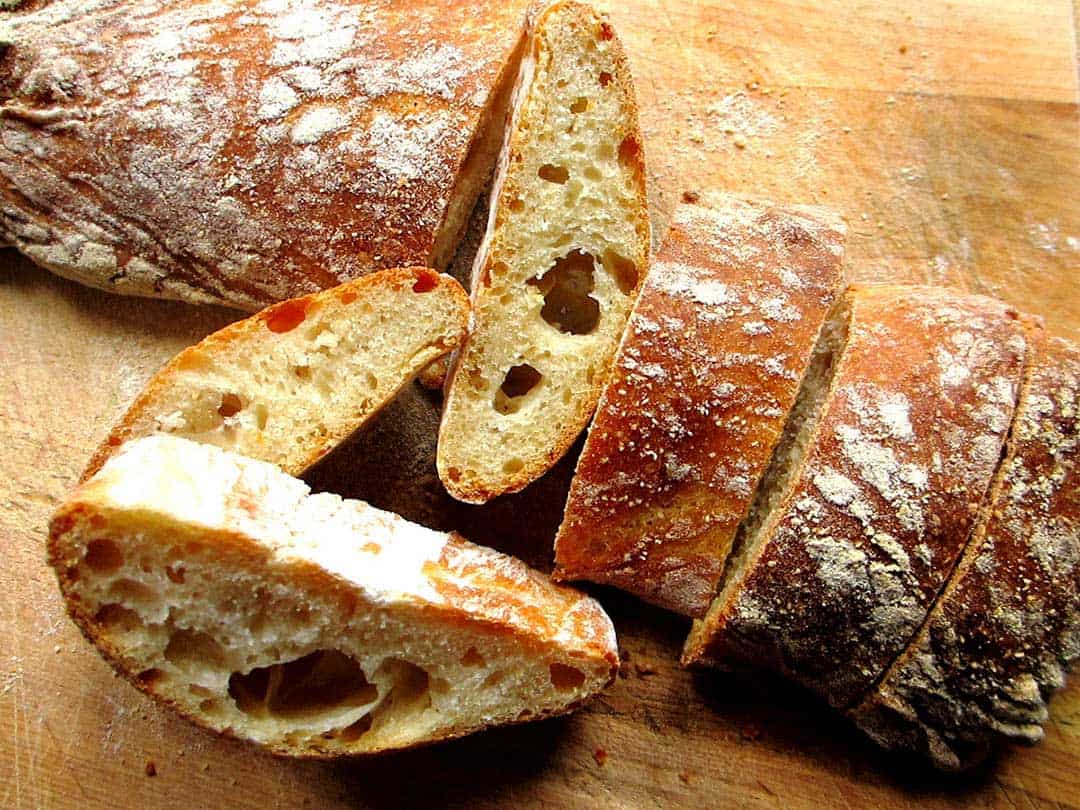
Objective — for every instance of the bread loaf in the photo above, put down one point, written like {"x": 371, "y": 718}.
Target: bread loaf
{"x": 708, "y": 369}
{"x": 1000, "y": 638}
{"x": 291, "y": 383}
{"x": 313, "y": 626}
{"x": 874, "y": 492}
{"x": 244, "y": 151}
{"x": 561, "y": 263}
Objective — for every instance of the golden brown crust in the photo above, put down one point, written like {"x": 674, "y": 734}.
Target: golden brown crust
{"x": 504, "y": 192}
{"x": 243, "y": 152}
{"x": 707, "y": 371}
{"x": 261, "y": 327}
{"x": 1000, "y": 639}
{"x": 886, "y": 497}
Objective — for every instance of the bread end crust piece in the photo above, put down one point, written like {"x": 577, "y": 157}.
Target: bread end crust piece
{"x": 562, "y": 261}
{"x": 247, "y": 152}
{"x": 292, "y": 382}
{"x": 875, "y": 512}
{"x": 308, "y": 624}
{"x": 1002, "y": 636}
{"x": 707, "y": 372}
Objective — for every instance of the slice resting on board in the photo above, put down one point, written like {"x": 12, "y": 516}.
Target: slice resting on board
{"x": 290, "y": 383}
{"x": 312, "y": 625}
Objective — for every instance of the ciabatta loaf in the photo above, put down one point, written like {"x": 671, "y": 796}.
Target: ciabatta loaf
{"x": 560, "y": 266}
{"x": 1004, "y": 632}
{"x": 311, "y": 625}
{"x": 873, "y": 493}
{"x": 708, "y": 369}
{"x": 290, "y": 383}
{"x": 242, "y": 151}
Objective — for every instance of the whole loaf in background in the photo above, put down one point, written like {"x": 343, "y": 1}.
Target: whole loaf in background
{"x": 247, "y": 151}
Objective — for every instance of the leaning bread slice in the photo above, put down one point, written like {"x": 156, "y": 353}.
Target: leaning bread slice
{"x": 560, "y": 266}
{"x": 288, "y": 384}
{"x": 1004, "y": 632}
{"x": 309, "y": 624}
{"x": 867, "y": 507}
{"x": 706, "y": 374}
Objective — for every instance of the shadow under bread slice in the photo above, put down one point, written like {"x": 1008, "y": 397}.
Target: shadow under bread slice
{"x": 309, "y": 624}
{"x": 873, "y": 493}
{"x": 705, "y": 377}
{"x": 1007, "y": 626}
{"x": 290, "y": 383}
{"x": 563, "y": 258}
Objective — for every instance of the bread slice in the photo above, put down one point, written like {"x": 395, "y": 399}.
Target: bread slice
{"x": 867, "y": 507}
{"x": 707, "y": 371}
{"x": 246, "y": 154}
{"x": 560, "y": 266}
{"x": 1007, "y": 627}
{"x": 290, "y": 383}
{"x": 308, "y": 624}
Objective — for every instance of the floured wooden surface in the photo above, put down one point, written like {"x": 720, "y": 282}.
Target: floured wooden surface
{"x": 947, "y": 138}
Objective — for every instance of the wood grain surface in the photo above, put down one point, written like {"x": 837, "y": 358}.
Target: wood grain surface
{"x": 947, "y": 133}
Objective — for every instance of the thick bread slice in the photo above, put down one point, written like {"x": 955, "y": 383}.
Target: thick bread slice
{"x": 565, "y": 252}
{"x": 1003, "y": 634}
{"x": 707, "y": 371}
{"x": 243, "y": 151}
{"x": 289, "y": 384}
{"x": 866, "y": 510}
{"x": 312, "y": 625}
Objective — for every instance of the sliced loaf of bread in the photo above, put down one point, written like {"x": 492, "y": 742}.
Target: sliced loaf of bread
{"x": 565, "y": 252}
{"x": 308, "y": 624}
{"x": 874, "y": 491}
{"x": 1005, "y": 630}
{"x": 707, "y": 372}
{"x": 290, "y": 383}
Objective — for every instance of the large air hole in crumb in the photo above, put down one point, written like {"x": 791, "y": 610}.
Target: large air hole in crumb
{"x": 104, "y": 555}
{"x": 411, "y": 692}
{"x": 519, "y": 381}
{"x": 322, "y": 681}
{"x": 566, "y": 287}
{"x": 231, "y": 405}
{"x": 133, "y": 592}
{"x": 472, "y": 658}
{"x": 512, "y": 466}
{"x": 553, "y": 174}
{"x": 118, "y": 617}
{"x": 564, "y": 677}
{"x": 191, "y": 650}
{"x": 605, "y": 78}
{"x": 580, "y": 105}
{"x": 622, "y": 269}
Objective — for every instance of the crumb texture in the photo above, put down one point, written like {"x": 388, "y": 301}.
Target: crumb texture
{"x": 708, "y": 369}
{"x": 1003, "y": 635}
{"x": 290, "y": 383}
{"x": 880, "y": 495}
{"x": 560, "y": 267}
{"x": 313, "y": 625}
{"x": 245, "y": 151}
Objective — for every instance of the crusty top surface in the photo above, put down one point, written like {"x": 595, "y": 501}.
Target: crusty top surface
{"x": 242, "y": 151}
{"x": 906, "y": 448}
{"x": 706, "y": 374}
{"x": 1000, "y": 639}
{"x": 165, "y": 481}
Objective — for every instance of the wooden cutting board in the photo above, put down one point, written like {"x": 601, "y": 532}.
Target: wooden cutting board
{"x": 947, "y": 133}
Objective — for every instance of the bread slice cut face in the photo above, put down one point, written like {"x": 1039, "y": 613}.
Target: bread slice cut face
{"x": 561, "y": 264}
{"x": 707, "y": 372}
{"x": 874, "y": 491}
{"x": 290, "y": 383}
{"x": 1004, "y": 632}
{"x": 308, "y": 624}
